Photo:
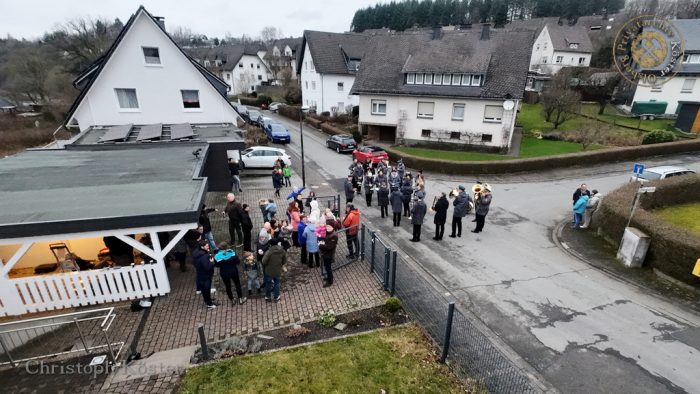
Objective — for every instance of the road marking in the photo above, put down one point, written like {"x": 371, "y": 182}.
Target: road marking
{"x": 315, "y": 187}
{"x": 324, "y": 183}
{"x": 565, "y": 245}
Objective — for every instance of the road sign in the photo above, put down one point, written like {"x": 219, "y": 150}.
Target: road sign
{"x": 638, "y": 168}
{"x": 644, "y": 190}
{"x": 696, "y": 270}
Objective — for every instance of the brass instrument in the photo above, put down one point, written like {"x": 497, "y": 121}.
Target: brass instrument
{"x": 479, "y": 188}
{"x": 432, "y": 206}
{"x": 453, "y": 193}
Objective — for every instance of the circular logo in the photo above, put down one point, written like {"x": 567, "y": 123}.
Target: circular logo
{"x": 647, "y": 50}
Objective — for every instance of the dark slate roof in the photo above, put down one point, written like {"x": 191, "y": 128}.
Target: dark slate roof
{"x": 229, "y": 55}
{"x": 85, "y": 80}
{"x": 508, "y": 54}
{"x": 331, "y": 51}
{"x": 690, "y": 30}
{"x": 293, "y": 42}
{"x": 64, "y": 191}
{"x": 563, "y": 35}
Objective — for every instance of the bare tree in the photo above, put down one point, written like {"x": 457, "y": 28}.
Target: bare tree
{"x": 83, "y": 40}
{"x": 270, "y": 34}
{"x": 600, "y": 87}
{"x": 560, "y": 105}
{"x": 590, "y": 133}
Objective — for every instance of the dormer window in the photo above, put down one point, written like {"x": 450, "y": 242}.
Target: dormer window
{"x": 436, "y": 79}
{"x": 151, "y": 55}
{"x": 573, "y": 45}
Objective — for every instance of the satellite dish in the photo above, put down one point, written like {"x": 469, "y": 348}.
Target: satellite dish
{"x": 508, "y": 105}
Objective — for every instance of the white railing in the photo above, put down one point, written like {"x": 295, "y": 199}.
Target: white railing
{"x": 72, "y": 289}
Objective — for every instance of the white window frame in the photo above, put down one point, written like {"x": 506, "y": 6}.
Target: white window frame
{"x": 581, "y": 60}
{"x": 476, "y": 79}
{"x": 459, "y": 79}
{"x": 437, "y": 79}
{"x": 428, "y": 79}
{"x": 198, "y": 108}
{"x": 145, "y": 58}
{"x": 375, "y": 106}
{"x": 313, "y": 85}
{"x": 559, "y": 60}
{"x": 419, "y": 81}
{"x": 410, "y": 79}
{"x": 446, "y": 79}
{"x": 466, "y": 79}
{"x": 493, "y": 119}
{"x": 127, "y": 109}
{"x": 425, "y": 115}
{"x": 341, "y": 86}
{"x": 688, "y": 81}
{"x": 455, "y": 106}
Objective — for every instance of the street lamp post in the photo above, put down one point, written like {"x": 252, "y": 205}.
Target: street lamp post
{"x": 301, "y": 136}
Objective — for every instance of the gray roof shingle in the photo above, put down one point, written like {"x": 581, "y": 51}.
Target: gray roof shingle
{"x": 690, "y": 30}
{"x": 563, "y": 35}
{"x": 228, "y": 54}
{"x": 330, "y": 51}
{"x": 506, "y": 57}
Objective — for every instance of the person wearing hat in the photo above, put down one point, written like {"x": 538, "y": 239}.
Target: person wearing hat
{"x": 327, "y": 247}
{"x": 396, "y": 199}
{"x": 417, "y": 215}
{"x": 482, "y": 208}
{"x": 440, "y": 208}
{"x": 273, "y": 264}
{"x": 461, "y": 207}
{"x": 352, "y": 223}
{"x": 349, "y": 189}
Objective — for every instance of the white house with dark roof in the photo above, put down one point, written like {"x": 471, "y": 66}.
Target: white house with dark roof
{"x": 684, "y": 85}
{"x": 327, "y": 67}
{"x": 283, "y": 55}
{"x": 560, "y": 46}
{"x": 241, "y": 66}
{"x": 444, "y": 88}
{"x": 145, "y": 78}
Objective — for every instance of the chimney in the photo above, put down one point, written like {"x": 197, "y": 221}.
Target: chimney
{"x": 437, "y": 32}
{"x": 160, "y": 21}
{"x": 486, "y": 31}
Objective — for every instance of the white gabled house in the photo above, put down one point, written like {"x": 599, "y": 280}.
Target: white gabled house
{"x": 327, "y": 67}
{"x": 145, "y": 78}
{"x": 683, "y": 86}
{"x": 240, "y": 66}
{"x": 447, "y": 89}
{"x": 282, "y": 57}
{"x": 560, "y": 46}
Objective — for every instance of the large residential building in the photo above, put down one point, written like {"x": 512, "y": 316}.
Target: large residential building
{"x": 444, "y": 88}
{"x": 683, "y": 86}
{"x": 145, "y": 78}
{"x": 241, "y": 66}
{"x": 560, "y": 46}
{"x": 327, "y": 67}
{"x": 282, "y": 58}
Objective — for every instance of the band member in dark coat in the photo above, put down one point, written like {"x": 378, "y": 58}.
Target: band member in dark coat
{"x": 383, "y": 199}
{"x": 396, "y": 204}
{"x": 349, "y": 189}
{"x": 417, "y": 215}
{"x": 482, "y": 209}
{"x": 440, "y": 208}
{"x": 406, "y": 194}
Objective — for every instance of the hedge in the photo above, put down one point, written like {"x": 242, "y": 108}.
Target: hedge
{"x": 332, "y": 130}
{"x": 252, "y": 101}
{"x": 546, "y": 162}
{"x": 289, "y": 111}
{"x": 673, "y": 250}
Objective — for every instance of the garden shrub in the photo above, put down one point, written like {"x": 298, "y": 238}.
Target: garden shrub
{"x": 263, "y": 99}
{"x": 356, "y": 111}
{"x": 553, "y": 137}
{"x": 658, "y": 136}
{"x": 327, "y": 318}
{"x": 357, "y": 136}
{"x": 392, "y": 304}
{"x": 289, "y": 111}
{"x": 673, "y": 250}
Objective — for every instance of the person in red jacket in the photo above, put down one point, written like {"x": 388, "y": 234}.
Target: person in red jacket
{"x": 352, "y": 223}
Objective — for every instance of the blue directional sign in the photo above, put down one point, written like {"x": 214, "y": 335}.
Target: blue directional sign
{"x": 638, "y": 168}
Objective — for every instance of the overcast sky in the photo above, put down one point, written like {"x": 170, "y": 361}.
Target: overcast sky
{"x": 31, "y": 18}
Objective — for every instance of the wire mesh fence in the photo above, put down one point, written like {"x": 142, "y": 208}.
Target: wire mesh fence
{"x": 471, "y": 353}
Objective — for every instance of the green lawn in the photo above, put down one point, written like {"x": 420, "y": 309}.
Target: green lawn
{"x": 686, "y": 216}
{"x": 612, "y": 115}
{"x": 531, "y": 118}
{"x": 396, "y": 360}
{"x": 529, "y": 147}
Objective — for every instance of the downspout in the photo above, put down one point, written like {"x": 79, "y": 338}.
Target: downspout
{"x": 321, "y": 92}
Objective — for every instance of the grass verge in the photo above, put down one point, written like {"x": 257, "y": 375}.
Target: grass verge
{"x": 396, "y": 360}
{"x": 686, "y": 216}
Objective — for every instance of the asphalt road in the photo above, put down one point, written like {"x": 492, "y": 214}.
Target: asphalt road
{"x": 582, "y": 330}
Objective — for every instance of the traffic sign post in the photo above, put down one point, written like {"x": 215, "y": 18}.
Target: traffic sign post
{"x": 638, "y": 169}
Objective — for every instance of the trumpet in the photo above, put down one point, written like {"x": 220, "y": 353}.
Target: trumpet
{"x": 453, "y": 193}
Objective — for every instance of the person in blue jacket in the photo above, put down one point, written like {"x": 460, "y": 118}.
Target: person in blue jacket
{"x": 579, "y": 210}
{"x": 312, "y": 244}
{"x": 301, "y": 238}
{"x": 204, "y": 266}
{"x": 227, "y": 261}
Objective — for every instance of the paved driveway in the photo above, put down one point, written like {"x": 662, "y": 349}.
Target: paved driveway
{"x": 583, "y": 330}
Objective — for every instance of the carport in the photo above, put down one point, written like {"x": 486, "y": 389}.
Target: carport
{"x": 84, "y": 202}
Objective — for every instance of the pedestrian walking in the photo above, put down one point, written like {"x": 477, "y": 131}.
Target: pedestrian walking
{"x": 481, "y": 208}
{"x": 206, "y": 225}
{"x": 312, "y": 244}
{"x": 352, "y": 223}
{"x": 204, "y": 268}
{"x": 277, "y": 181}
{"x": 440, "y": 208}
{"x": 234, "y": 212}
{"x": 579, "y": 209}
{"x": 303, "y": 220}
{"x": 273, "y": 264}
{"x": 383, "y": 199}
{"x": 287, "y": 174}
{"x": 461, "y": 208}
{"x": 252, "y": 272}
{"x": 227, "y": 261}
{"x": 591, "y": 207}
{"x": 396, "y": 199}
{"x": 328, "y": 247}
{"x": 349, "y": 189}
{"x": 235, "y": 169}
{"x": 418, "y": 215}
{"x": 247, "y": 227}
{"x": 294, "y": 219}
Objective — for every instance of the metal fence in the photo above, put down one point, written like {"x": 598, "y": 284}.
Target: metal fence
{"x": 470, "y": 352}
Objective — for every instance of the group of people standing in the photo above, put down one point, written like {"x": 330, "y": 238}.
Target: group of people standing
{"x": 406, "y": 194}
{"x": 585, "y": 203}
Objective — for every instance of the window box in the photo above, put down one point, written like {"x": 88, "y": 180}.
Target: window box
{"x": 493, "y": 114}
{"x": 410, "y": 78}
{"x": 379, "y": 107}
{"x": 426, "y": 109}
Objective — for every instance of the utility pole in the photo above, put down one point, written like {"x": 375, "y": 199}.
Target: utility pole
{"x": 301, "y": 136}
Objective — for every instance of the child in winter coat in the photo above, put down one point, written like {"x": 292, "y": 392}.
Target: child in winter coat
{"x": 287, "y": 173}
{"x": 270, "y": 210}
{"x": 312, "y": 244}
{"x": 579, "y": 209}
{"x": 321, "y": 229}
{"x": 285, "y": 235}
{"x": 252, "y": 271}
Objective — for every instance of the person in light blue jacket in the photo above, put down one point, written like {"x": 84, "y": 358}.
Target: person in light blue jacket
{"x": 312, "y": 245}
{"x": 579, "y": 210}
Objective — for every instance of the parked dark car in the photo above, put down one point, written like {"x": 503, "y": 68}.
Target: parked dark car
{"x": 243, "y": 112}
{"x": 277, "y": 133}
{"x": 341, "y": 143}
{"x": 253, "y": 116}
